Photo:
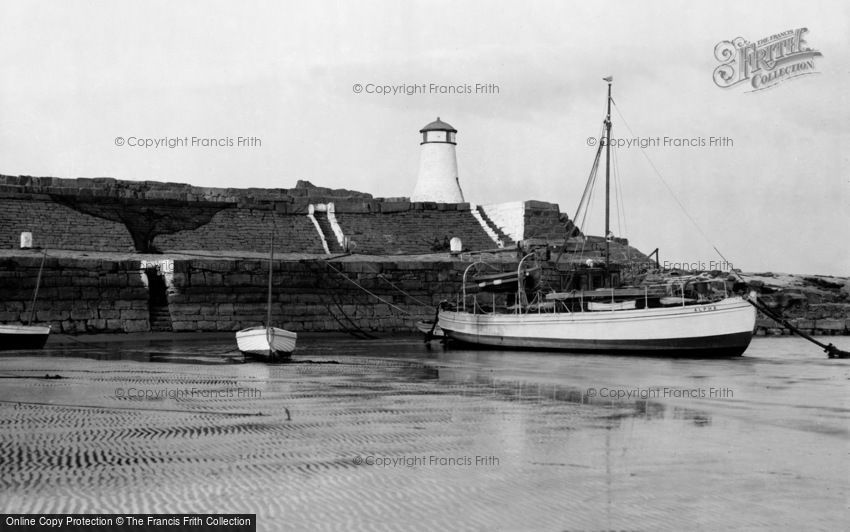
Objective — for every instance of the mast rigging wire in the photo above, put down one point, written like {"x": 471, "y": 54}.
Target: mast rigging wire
{"x": 666, "y": 185}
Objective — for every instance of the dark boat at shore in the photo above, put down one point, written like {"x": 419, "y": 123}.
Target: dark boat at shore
{"x": 26, "y": 336}
{"x": 23, "y": 336}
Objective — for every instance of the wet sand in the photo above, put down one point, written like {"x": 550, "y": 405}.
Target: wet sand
{"x": 389, "y": 435}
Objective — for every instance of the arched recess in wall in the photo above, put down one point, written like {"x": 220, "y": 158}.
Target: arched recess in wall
{"x": 145, "y": 219}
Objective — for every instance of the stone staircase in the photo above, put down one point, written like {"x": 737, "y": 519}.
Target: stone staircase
{"x": 495, "y": 228}
{"x": 160, "y": 318}
{"x": 328, "y": 232}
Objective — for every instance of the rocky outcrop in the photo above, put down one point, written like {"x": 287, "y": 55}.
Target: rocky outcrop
{"x": 816, "y": 304}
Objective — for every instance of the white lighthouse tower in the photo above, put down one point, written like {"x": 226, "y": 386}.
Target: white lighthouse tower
{"x": 438, "y": 179}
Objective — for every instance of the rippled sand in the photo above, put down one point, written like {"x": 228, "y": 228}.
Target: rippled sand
{"x": 300, "y": 446}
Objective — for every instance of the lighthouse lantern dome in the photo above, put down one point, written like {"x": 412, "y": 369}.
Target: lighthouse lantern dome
{"x": 438, "y": 131}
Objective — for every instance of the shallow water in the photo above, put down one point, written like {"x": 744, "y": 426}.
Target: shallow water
{"x": 390, "y": 435}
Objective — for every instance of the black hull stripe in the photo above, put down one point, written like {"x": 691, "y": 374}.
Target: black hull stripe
{"x": 22, "y": 341}
{"x": 720, "y": 345}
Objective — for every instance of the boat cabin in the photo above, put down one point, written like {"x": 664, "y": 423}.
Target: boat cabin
{"x": 585, "y": 288}
{"x": 588, "y": 278}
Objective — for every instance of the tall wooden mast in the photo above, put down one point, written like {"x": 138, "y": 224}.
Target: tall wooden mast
{"x": 271, "y": 273}
{"x": 609, "y": 79}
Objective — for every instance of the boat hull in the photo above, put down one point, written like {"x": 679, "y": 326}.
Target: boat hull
{"x": 724, "y": 328}
{"x": 266, "y": 343}
{"x": 23, "y": 336}
{"x": 429, "y": 329}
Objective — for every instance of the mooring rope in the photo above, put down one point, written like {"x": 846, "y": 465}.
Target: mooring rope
{"x": 357, "y": 329}
{"x": 37, "y": 285}
{"x": 361, "y": 287}
{"x": 424, "y": 304}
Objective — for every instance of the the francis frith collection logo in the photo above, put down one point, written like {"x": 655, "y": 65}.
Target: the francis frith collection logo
{"x": 764, "y": 63}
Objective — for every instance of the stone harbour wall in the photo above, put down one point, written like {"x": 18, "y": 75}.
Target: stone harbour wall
{"x": 110, "y": 215}
{"x": 75, "y": 295}
{"x": 523, "y": 220}
{"x": 108, "y": 187}
{"x": 247, "y": 229}
{"x": 543, "y": 220}
{"x": 95, "y": 295}
{"x": 81, "y": 295}
{"x": 310, "y": 295}
{"x": 412, "y": 228}
{"x": 55, "y": 226}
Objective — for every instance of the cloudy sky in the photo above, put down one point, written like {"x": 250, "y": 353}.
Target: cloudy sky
{"x": 76, "y": 75}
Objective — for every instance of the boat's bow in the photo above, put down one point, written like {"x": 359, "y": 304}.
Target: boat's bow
{"x": 23, "y": 336}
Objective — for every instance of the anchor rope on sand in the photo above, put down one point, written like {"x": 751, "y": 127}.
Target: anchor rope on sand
{"x": 829, "y": 349}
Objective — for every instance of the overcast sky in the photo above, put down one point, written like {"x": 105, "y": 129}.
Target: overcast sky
{"x": 76, "y": 75}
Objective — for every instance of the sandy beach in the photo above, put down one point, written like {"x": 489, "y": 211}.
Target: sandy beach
{"x": 389, "y": 435}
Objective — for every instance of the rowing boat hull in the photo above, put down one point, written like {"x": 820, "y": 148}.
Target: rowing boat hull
{"x": 724, "y": 328}
{"x": 427, "y": 328}
{"x": 23, "y": 336}
{"x": 266, "y": 343}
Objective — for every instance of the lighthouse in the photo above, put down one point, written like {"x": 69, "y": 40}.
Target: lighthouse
{"x": 438, "y": 180}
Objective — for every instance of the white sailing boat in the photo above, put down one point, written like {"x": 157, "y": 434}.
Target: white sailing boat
{"x": 631, "y": 320}
{"x": 264, "y": 341}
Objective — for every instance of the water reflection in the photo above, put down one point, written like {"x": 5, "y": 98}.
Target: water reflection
{"x": 162, "y": 351}
{"x": 483, "y": 382}
{"x": 579, "y": 442}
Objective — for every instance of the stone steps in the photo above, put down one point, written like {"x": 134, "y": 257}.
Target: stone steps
{"x": 328, "y": 232}
{"x": 496, "y": 229}
{"x": 160, "y": 319}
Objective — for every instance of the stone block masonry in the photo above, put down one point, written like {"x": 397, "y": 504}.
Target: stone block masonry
{"x": 311, "y": 295}
{"x": 543, "y": 220}
{"x": 247, "y": 229}
{"x": 103, "y": 293}
{"x": 413, "y": 228}
{"x": 76, "y": 295}
{"x": 55, "y": 226}
{"x": 95, "y": 295}
{"x": 105, "y": 214}
{"x": 107, "y": 187}
{"x": 521, "y": 220}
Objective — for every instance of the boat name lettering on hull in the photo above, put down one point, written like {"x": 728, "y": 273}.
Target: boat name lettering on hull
{"x": 708, "y": 308}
